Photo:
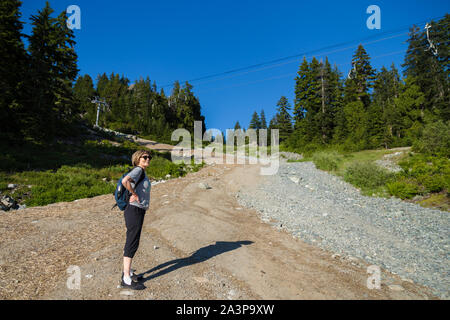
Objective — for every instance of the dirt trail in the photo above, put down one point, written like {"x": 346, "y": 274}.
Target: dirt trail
{"x": 196, "y": 244}
{"x": 154, "y": 145}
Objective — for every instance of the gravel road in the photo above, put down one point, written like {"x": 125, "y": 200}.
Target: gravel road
{"x": 196, "y": 243}
{"x": 321, "y": 209}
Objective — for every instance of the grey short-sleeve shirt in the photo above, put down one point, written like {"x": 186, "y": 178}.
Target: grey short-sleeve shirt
{"x": 142, "y": 189}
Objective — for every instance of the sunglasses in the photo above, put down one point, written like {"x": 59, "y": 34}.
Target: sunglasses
{"x": 146, "y": 157}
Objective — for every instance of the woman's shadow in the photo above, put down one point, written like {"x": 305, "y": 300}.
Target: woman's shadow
{"x": 198, "y": 256}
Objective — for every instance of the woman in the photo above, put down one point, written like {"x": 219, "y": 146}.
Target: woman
{"x": 134, "y": 215}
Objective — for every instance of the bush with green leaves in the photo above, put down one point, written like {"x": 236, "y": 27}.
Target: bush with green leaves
{"x": 432, "y": 173}
{"x": 327, "y": 160}
{"x": 160, "y": 167}
{"x": 403, "y": 189}
{"x": 82, "y": 180}
{"x": 3, "y": 186}
{"x": 432, "y": 183}
{"x": 435, "y": 139}
{"x": 367, "y": 175}
{"x": 66, "y": 184}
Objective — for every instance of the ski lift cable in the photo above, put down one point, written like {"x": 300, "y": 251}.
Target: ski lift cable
{"x": 296, "y": 59}
{"x": 293, "y": 75}
{"x": 301, "y": 54}
{"x": 293, "y": 60}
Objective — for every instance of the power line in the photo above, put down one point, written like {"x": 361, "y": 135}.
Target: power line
{"x": 304, "y": 53}
{"x": 296, "y": 59}
{"x": 337, "y": 65}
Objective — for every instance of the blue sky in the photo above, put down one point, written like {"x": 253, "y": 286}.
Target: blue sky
{"x": 184, "y": 40}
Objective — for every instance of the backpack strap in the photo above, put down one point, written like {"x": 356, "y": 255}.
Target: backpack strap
{"x": 141, "y": 177}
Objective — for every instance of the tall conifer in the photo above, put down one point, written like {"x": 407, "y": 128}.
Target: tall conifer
{"x": 13, "y": 67}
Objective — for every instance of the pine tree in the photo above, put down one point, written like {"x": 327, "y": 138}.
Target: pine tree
{"x": 284, "y": 122}
{"x": 381, "y": 112}
{"x": 142, "y": 98}
{"x": 42, "y": 48}
{"x": 441, "y": 37}
{"x": 431, "y": 72}
{"x": 330, "y": 97}
{"x": 308, "y": 101}
{"x": 357, "y": 100}
{"x": 237, "y": 126}
{"x": 335, "y": 109}
{"x": 52, "y": 71}
{"x": 302, "y": 84}
{"x": 186, "y": 106}
{"x": 318, "y": 96}
{"x": 409, "y": 111}
{"x": 263, "y": 120}
{"x": 273, "y": 124}
{"x": 356, "y": 119}
{"x": 13, "y": 69}
{"x": 194, "y": 106}
{"x": 362, "y": 78}
{"x": 66, "y": 70}
{"x": 115, "y": 90}
{"x": 84, "y": 92}
{"x": 255, "y": 122}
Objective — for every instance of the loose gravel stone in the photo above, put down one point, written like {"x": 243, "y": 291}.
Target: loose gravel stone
{"x": 398, "y": 236}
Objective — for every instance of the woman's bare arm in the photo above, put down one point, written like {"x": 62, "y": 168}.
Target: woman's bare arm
{"x": 126, "y": 181}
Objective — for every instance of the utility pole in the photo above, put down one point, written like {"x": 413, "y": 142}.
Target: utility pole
{"x": 323, "y": 86}
{"x": 99, "y": 103}
{"x": 323, "y": 100}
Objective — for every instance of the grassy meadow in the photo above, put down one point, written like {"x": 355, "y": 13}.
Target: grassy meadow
{"x": 424, "y": 179}
{"x": 70, "y": 170}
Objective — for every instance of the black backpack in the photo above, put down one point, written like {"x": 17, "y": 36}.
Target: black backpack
{"x": 121, "y": 194}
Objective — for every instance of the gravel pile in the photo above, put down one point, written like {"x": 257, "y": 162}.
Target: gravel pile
{"x": 290, "y": 156}
{"x": 388, "y": 163}
{"x": 321, "y": 209}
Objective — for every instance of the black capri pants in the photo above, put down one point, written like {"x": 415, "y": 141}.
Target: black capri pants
{"x": 134, "y": 219}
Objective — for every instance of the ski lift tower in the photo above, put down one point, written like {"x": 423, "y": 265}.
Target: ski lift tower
{"x": 99, "y": 102}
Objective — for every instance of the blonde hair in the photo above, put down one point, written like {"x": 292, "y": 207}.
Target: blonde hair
{"x": 137, "y": 155}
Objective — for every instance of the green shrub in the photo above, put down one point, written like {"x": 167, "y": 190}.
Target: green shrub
{"x": 431, "y": 172}
{"x": 366, "y": 174}
{"x": 432, "y": 183}
{"x": 403, "y": 189}
{"x": 435, "y": 139}
{"x": 327, "y": 160}
{"x": 3, "y": 186}
{"x": 83, "y": 181}
{"x": 67, "y": 184}
{"x": 160, "y": 167}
